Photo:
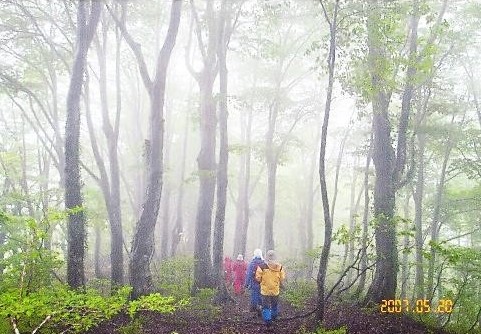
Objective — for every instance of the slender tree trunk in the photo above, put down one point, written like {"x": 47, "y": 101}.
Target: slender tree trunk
{"x": 178, "y": 229}
{"x": 239, "y": 221}
{"x": 23, "y": 180}
{"x": 271, "y": 154}
{"x": 331, "y": 62}
{"x": 110, "y": 181}
{"x": 435, "y": 223}
{"x": 219, "y": 222}
{"x": 310, "y": 207}
{"x": 338, "y": 170}
{"x": 353, "y": 207}
{"x": 97, "y": 251}
{"x": 44, "y": 168}
{"x": 116, "y": 230}
{"x": 164, "y": 227}
{"x": 365, "y": 222}
{"x": 3, "y": 238}
{"x": 418, "y": 219}
{"x": 405, "y": 257}
{"x": 73, "y": 196}
{"x": 301, "y": 227}
{"x": 246, "y": 195}
{"x": 242, "y": 220}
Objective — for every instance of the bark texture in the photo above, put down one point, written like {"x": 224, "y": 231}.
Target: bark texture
{"x": 143, "y": 241}
{"x": 323, "y": 261}
{"x": 206, "y": 161}
{"x": 87, "y": 21}
{"x": 219, "y": 222}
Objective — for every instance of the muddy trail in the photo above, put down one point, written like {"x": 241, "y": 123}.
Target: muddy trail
{"x": 235, "y": 318}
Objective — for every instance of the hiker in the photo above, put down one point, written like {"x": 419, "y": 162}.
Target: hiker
{"x": 228, "y": 270}
{"x": 270, "y": 276}
{"x": 239, "y": 268}
{"x": 252, "y": 284}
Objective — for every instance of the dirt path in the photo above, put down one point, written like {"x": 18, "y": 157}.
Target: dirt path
{"x": 235, "y": 318}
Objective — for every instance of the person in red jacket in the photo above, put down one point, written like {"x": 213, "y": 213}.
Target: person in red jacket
{"x": 239, "y": 268}
{"x": 228, "y": 270}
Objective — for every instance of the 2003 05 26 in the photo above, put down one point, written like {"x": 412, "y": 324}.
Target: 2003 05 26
{"x": 416, "y": 306}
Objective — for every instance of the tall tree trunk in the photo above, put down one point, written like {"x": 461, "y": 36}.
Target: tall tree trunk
{"x": 272, "y": 153}
{"x": 435, "y": 223}
{"x": 23, "y": 180}
{"x": 207, "y": 174}
{"x": 73, "y": 196}
{"x": 241, "y": 175}
{"x": 97, "y": 251}
{"x": 338, "y": 170}
{"x": 365, "y": 221}
{"x": 44, "y": 163}
{"x": 383, "y": 285}
{"x": 206, "y": 161}
{"x": 116, "y": 230}
{"x": 242, "y": 220}
{"x": 271, "y": 202}
{"x": 310, "y": 206}
{"x": 405, "y": 256}
{"x": 389, "y": 166}
{"x": 110, "y": 181}
{"x": 164, "y": 226}
{"x": 353, "y": 208}
{"x": 418, "y": 219}
{"x": 219, "y": 222}
{"x": 331, "y": 62}
{"x": 178, "y": 229}
{"x": 143, "y": 239}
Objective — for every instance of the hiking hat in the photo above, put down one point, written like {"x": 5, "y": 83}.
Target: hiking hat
{"x": 271, "y": 255}
{"x": 258, "y": 253}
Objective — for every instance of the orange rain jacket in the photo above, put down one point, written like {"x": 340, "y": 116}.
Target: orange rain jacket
{"x": 270, "y": 275}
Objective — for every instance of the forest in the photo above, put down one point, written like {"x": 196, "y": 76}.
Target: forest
{"x": 152, "y": 151}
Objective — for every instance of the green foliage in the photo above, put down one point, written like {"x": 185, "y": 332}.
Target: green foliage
{"x": 175, "y": 276}
{"x": 299, "y": 292}
{"x": 81, "y": 311}
{"x": 134, "y": 327}
{"x": 342, "y": 330}
{"x": 71, "y": 311}
{"x": 461, "y": 272}
{"x": 322, "y": 330}
{"x": 202, "y": 306}
{"x": 76, "y": 312}
{"x": 343, "y": 236}
{"x": 28, "y": 265}
{"x": 155, "y": 302}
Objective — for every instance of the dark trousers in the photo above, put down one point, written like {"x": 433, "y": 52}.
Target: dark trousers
{"x": 269, "y": 308}
{"x": 255, "y": 296}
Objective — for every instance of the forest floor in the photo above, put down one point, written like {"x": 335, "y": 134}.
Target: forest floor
{"x": 235, "y": 318}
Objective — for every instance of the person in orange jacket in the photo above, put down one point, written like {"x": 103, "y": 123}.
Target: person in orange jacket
{"x": 239, "y": 268}
{"x": 270, "y": 276}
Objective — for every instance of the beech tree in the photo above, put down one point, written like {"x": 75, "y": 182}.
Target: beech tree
{"x": 206, "y": 161}
{"x": 87, "y": 19}
{"x": 331, "y": 63}
{"x": 143, "y": 240}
